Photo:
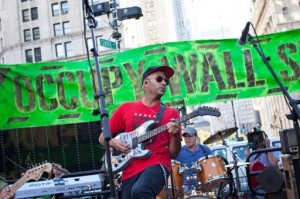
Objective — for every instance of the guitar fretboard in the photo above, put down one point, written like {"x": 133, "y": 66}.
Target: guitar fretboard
{"x": 18, "y": 184}
{"x": 162, "y": 128}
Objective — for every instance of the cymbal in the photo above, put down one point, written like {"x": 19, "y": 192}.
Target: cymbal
{"x": 238, "y": 164}
{"x": 220, "y": 135}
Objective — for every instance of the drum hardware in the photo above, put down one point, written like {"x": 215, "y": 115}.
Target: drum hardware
{"x": 220, "y": 136}
{"x": 190, "y": 178}
{"x": 238, "y": 164}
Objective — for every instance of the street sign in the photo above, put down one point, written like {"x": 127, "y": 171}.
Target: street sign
{"x": 108, "y": 44}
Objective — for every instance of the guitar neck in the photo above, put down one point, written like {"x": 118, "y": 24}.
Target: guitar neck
{"x": 17, "y": 185}
{"x": 162, "y": 128}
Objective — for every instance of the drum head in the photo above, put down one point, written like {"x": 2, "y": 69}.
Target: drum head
{"x": 198, "y": 197}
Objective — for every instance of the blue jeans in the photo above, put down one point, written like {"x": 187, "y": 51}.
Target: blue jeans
{"x": 145, "y": 185}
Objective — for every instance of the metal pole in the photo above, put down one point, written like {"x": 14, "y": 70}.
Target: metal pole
{"x": 234, "y": 119}
{"x": 100, "y": 97}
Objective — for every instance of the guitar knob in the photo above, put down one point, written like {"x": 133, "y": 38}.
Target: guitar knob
{"x": 120, "y": 160}
{"x": 115, "y": 165}
{"x": 123, "y": 155}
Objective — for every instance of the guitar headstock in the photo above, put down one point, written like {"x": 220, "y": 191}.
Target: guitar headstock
{"x": 36, "y": 172}
{"x": 205, "y": 110}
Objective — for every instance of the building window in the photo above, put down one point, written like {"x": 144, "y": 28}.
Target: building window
{"x": 34, "y": 14}
{"x": 25, "y": 15}
{"x": 36, "y": 33}
{"x": 57, "y": 29}
{"x": 66, "y": 27}
{"x": 28, "y": 55}
{"x": 27, "y": 35}
{"x": 37, "y": 55}
{"x": 285, "y": 12}
{"x": 55, "y": 9}
{"x": 64, "y": 7}
{"x": 59, "y": 51}
{"x": 68, "y": 49}
{"x": 63, "y": 50}
{"x": 23, "y": 0}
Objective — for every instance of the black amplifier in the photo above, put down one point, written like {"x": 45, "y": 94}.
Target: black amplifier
{"x": 288, "y": 140}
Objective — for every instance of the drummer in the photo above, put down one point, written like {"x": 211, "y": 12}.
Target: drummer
{"x": 190, "y": 153}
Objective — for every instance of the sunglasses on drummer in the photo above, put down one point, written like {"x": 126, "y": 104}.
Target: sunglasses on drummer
{"x": 160, "y": 79}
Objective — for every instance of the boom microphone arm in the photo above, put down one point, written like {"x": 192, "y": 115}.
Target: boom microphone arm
{"x": 295, "y": 111}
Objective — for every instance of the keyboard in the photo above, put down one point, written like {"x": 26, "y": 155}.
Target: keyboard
{"x": 62, "y": 185}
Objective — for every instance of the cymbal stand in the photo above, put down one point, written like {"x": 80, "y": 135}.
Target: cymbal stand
{"x": 237, "y": 179}
{"x": 235, "y": 167}
{"x": 224, "y": 141}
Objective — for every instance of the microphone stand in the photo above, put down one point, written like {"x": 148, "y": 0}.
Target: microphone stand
{"x": 295, "y": 111}
{"x": 100, "y": 97}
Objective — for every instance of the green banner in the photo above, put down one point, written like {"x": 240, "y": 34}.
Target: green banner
{"x": 43, "y": 94}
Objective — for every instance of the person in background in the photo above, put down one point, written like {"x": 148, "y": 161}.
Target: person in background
{"x": 144, "y": 178}
{"x": 269, "y": 158}
{"x": 190, "y": 153}
{"x": 262, "y": 160}
{"x": 58, "y": 171}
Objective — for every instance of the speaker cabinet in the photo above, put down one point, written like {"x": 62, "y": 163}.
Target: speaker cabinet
{"x": 271, "y": 179}
{"x": 288, "y": 140}
{"x": 291, "y": 172}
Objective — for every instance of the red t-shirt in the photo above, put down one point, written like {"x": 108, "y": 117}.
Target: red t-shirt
{"x": 130, "y": 116}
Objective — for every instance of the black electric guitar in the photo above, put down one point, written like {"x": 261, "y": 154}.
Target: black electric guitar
{"x": 137, "y": 138}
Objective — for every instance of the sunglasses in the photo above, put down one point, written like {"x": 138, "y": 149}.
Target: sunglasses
{"x": 160, "y": 79}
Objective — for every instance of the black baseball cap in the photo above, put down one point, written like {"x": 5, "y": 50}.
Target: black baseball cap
{"x": 165, "y": 69}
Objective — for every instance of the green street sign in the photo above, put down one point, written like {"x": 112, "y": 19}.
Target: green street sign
{"x": 108, "y": 44}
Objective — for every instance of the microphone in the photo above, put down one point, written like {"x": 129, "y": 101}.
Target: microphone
{"x": 243, "y": 38}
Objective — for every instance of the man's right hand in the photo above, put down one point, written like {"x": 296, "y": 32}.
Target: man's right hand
{"x": 119, "y": 145}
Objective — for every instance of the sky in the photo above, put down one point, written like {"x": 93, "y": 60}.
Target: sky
{"x": 218, "y": 18}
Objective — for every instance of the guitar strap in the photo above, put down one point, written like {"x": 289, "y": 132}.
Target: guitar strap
{"x": 160, "y": 112}
{"x": 158, "y": 118}
{"x": 204, "y": 151}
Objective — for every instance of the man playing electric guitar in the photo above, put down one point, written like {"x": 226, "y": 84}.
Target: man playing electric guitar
{"x": 145, "y": 177}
